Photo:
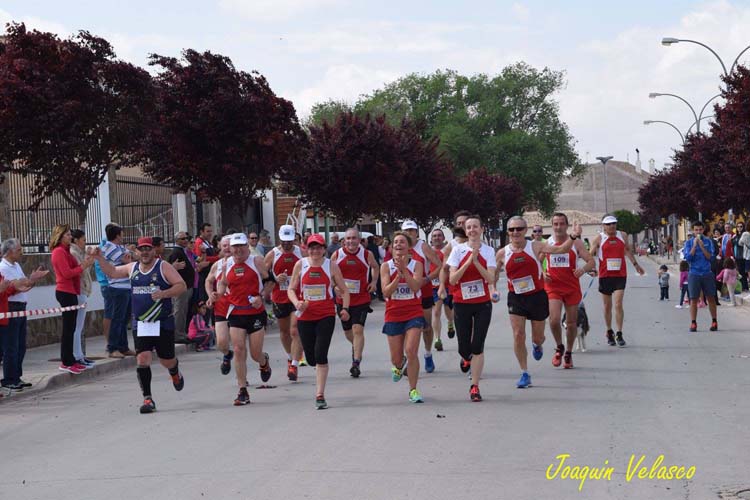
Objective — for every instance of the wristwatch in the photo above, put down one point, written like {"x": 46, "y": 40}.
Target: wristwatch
{"x": 573, "y": 237}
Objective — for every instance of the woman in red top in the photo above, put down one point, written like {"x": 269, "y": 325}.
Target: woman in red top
{"x": 311, "y": 292}
{"x": 402, "y": 279}
{"x": 68, "y": 278}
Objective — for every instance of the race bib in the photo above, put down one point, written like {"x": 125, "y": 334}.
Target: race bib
{"x": 523, "y": 285}
{"x": 314, "y": 293}
{"x": 284, "y": 286}
{"x": 614, "y": 264}
{"x": 148, "y": 329}
{"x": 403, "y": 292}
{"x": 435, "y": 282}
{"x": 352, "y": 285}
{"x": 472, "y": 289}
{"x": 559, "y": 260}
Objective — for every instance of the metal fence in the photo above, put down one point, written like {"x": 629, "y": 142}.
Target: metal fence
{"x": 144, "y": 208}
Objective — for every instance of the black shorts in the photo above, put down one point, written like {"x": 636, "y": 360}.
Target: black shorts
{"x": 164, "y": 344}
{"x": 283, "y": 310}
{"x": 427, "y": 302}
{"x": 219, "y": 319}
{"x": 607, "y": 286}
{"x": 249, "y": 322}
{"x": 357, "y": 315}
{"x": 533, "y": 306}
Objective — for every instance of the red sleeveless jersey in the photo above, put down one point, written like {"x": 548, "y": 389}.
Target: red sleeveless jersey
{"x": 560, "y": 267}
{"x": 436, "y": 281}
{"x": 316, "y": 287}
{"x": 404, "y": 304}
{"x": 611, "y": 255}
{"x": 355, "y": 270}
{"x": 283, "y": 262}
{"x": 244, "y": 281}
{"x": 417, "y": 252}
{"x": 472, "y": 287}
{"x": 524, "y": 270}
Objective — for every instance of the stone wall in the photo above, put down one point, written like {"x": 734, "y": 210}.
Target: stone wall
{"x": 43, "y": 331}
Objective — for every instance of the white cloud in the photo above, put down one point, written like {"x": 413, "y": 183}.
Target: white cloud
{"x": 35, "y": 23}
{"x": 521, "y": 11}
{"x": 274, "y": 9}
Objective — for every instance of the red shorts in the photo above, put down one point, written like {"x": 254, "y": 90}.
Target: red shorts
{"x": 569, "y": 296}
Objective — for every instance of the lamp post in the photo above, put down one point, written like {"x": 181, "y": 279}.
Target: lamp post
{"x": 604, "y": 160}
{"x": 649, "y": 122}
{"x": 669, "y": 41}
{"x": 697, "y": 116}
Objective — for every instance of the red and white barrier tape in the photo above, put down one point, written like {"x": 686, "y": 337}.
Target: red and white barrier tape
{"x": 40, "y": 312}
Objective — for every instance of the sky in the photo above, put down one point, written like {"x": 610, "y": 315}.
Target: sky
{"x": 314, "y": 50}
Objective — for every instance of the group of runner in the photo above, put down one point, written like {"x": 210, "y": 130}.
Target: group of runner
{"x": 419, "y": 282}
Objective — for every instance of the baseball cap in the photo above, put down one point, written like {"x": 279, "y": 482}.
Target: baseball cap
{"x": 146, "y": 241}
{"x": 316, "y": 239}
{"x": 286, "y": 233}
{"x": 409, "y": 224}
{"x": 609, "y": 219}
{"x": 238, "y": 239}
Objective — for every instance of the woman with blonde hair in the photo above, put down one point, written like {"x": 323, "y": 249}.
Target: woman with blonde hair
{"x": 68, "y": 287}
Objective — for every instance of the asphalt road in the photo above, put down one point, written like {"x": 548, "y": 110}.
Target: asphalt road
{"x": 671, "y": 393}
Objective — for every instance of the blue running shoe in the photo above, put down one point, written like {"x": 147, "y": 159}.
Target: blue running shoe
{"x": 537, "y": 351}
{"x": 429, "y": 364}
{"x": 524, "y": 381}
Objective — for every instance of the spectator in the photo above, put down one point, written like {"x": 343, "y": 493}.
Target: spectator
{"x": 205, "y": 256}
{"x": 183, "y": 259}
{"x": 663, "y": 282}
{"x": 158, "y": 242}
{"x": 265, "y": 245}
{"x": 199, "y": 332}
{"x": 13, "y": 330}
{"x": 335, "y": 245}
{"x": 684, "y": 269}
{"x": 103, "y": 281}
{"x": 117, "y": 293}
{"x": 68, "y": 288}
{"x": 745, "y": 245}
{"x": 727, "y": 249}
{"x": 728, "y": 276}
{"x": 670, "y": 245}
{"x": 78, "y": 250}
{"x": 252, "y": 239}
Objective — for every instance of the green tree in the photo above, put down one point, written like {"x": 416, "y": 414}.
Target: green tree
{"x": 508, "y": 123}
{"x": 327, "y": 111}
{"x": 629, "y": 223}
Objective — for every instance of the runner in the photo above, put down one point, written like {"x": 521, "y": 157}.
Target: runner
{"x": 153, "y": 283}
{"x": 611, "y": 248}
{"x": 241, "y": 283}
{"x": 526, "y": 296}
{"x": 281, "y": 260}
{"x": 459, "y": 236}
{"x": 472, "y": 272}
{"x": 427, "y": 256}
{"x": 561, "y": 281}
{"x": 360, "y": 272}
{"x": 402, "y": 279}
{"x": 220, "y": 305}
{"x": 311, "y": 292}
{"x": 437, "y": 242}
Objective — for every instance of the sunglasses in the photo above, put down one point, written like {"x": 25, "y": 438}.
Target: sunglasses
{"x": 537, "y": 230}
{"x": 253, "y": 237}
{"x": 610, "y": 223}
{"x": 514, "y": 229}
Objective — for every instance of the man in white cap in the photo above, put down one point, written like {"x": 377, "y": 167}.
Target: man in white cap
{"x": 610, "y": 247}
{"x": 422, "y": 252}
{"x": 280, "y": 262}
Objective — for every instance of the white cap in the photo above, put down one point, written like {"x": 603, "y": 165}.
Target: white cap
{"x": 610, "y": 219}
{"x": 409, "y": 224}
{"x": 238, "y": 239}
{"x": 286, "y": 233}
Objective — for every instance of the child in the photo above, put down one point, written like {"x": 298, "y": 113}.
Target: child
{"x": 200, "y": 333}
{"x": 664, "y": 282}
{"x": 728, "y": 276}
{"x": 684, "y": 269}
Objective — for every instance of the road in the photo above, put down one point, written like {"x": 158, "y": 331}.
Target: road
{"x": 671, "y": 393}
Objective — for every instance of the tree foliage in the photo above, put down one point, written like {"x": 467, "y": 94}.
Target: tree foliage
{"x": 70, "y": 110}
{"x": 628, "y": 222}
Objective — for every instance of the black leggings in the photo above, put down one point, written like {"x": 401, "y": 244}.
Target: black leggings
{"x": 472, "y": 322}
{"x": 316, "y": 339}
{"x": 68, "y": 326}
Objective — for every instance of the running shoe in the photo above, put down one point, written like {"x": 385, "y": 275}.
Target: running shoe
{"x": 81, "y": 367}
{"x": 678, "y": 306}
{"x": 611, "y": 337}
{"x": 524, "y": 381}
{"x": 568, "y": 360}
{"x": 178, "y": 381}
{"x": 320, "y": 402}
{"x": 397, "y": 373}
{"x": 438, "y": 345}
{"x": 354, "y": 370}
{"x": 429, "y": 364}
{"x": 242, "y": 398}
{"x": 714, "y": 326}
{"x": 291, "y": 373}
{"x": 465, "y": 365}
{"x": 451, "y": 332}
{"x": 70, "y": 369}
{"x": 620, "y": 340}
{"x": 474, "y": 394}
{"x": 86, "y": 361}
{"x": 693, "y": 326}
{"x": 537, "y": 351}
{"x": 226, "y": 363}
{"x": 415, "y": 396}
{"x": 13, "y": 387}
{"x": 265, "y": 370}
{"x": 557, "y": 357}
{"x": 148, "y": 405}
{"x": 24, "y": 384}
{"x": 302, "y": 362}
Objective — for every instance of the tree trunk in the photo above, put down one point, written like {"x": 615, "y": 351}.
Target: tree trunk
{"x": 81, "y": 211}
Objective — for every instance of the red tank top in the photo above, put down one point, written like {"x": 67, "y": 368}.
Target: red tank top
{"x": 524, "y": 270}
{"x": 472, "y": 287}
{"x": 221, "y": 306}
{"x": 283, "y": 262}
{"x": 316, "y": 287}
{"x": 244, "y": 281}
{"x": 611, "y": 255}
{"x": 355, "y": 270}
{"x": 404, "y": 304}
{"x": 417, "y": 252}
{"x": 436, "y": 281}
{"x": 560, "y": 267}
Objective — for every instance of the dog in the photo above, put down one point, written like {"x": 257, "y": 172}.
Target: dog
{"x": 582, "y": 327}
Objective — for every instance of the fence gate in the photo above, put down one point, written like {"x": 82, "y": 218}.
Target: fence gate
{"x": 144, "y": 208}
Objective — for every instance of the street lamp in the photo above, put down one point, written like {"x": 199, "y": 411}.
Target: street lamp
{"x": 604, "y": 160}
{"x": 669, "y": 41}
{"x": 698, "y": 117}
{"x": 649, "y": 122}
